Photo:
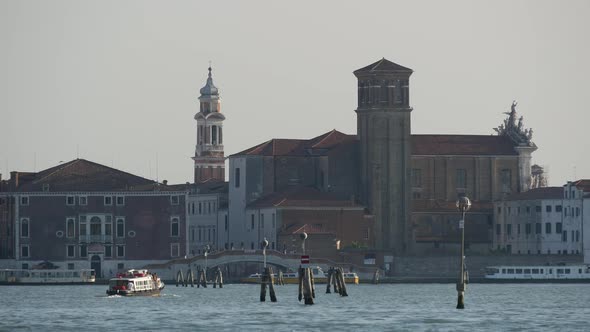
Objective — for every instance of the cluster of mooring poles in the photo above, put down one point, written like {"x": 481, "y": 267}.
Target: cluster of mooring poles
{"x": 201, "y": 279}
{"x": 463, "y": 204}
{"x": 267, "y": 278}
{"x": 336, "y": 279}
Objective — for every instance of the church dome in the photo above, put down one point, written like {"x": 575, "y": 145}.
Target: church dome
{"x": 209, "y": 89}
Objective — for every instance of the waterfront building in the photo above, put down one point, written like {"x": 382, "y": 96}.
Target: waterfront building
{"x": 542, "y": 220}
{"x": 207, "y": 216}
{"x": 81, "y": 214}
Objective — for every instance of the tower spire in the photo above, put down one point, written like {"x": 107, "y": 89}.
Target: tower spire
{"x": 209, "y": 156}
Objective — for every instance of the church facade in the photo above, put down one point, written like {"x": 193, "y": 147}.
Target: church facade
{"x": 404, "y": 185}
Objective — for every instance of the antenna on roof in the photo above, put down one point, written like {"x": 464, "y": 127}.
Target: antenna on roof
{"x": 157, "y": 180}
{"x": 35, "y": 162}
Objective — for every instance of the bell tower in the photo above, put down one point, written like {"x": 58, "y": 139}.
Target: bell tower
{"x": 383, "y": 129}
{"x": 209, "y": 157}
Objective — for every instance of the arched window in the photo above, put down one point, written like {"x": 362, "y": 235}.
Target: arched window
{"x": 70, "y": 227}
{"x": 24, "y": 227}
{"x": 120, "y": 227}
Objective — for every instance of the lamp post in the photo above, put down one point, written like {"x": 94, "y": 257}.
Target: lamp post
{"x": 264, "y": 245}
{"x": 463, "y": 204}
{"x": 303, "y": 236}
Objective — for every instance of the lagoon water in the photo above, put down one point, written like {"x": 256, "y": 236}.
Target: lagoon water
{"x": 236, "y": 307}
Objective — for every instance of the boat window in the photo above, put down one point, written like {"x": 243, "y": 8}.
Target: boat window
{"x": 535, "y": 271}
{"x": 503, "y": 271}
{"x": 567, "y": 271}
{"x": 580, "y": 271}
{"x": 559, "y": 271}
{"x": 527, "y": 271}
{"x": 510, "y": 271}
{"x": 43, "y": 274}
{"x": 550, "y": 271}
{"x": 518, "y": 270}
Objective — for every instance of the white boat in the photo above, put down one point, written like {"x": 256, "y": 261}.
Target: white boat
{"x": 539, "y": 273}
{"x": 135, "y": 283}
{"x": 44, "y": 276}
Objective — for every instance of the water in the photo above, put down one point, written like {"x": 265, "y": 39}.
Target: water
{"x": 394, "y": 307}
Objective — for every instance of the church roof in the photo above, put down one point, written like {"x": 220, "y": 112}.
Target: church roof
{"x": 383, "y": 66}
{"x": 462, "y": 145}
{"x": 299, "y": 147}
{"x": 209, "y": 89}
{"x": 537, "y": 193}
{"x": 302, "y": 196}
{"x": 84, "y": 175}
{"x": 583, "y": 185}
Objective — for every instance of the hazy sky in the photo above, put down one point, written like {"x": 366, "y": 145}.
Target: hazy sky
{"x": 117, "y": 82}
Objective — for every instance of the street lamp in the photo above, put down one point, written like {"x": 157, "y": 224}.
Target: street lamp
{"x": 463, "y": 204}
{"x": 264, "y": 245}
{"x": 303, "y": 236}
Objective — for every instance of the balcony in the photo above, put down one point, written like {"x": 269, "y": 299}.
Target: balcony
{"x": 96, "y": 239}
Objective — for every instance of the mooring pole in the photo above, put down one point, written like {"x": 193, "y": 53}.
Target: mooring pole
{"x": 463, "y": 204}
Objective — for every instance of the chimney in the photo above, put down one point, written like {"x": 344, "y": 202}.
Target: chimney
{"x": 13, "y": 182}
{"x": 165, "y": 182}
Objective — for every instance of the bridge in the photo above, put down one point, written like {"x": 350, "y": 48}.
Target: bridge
{"x": 168, "y": 270}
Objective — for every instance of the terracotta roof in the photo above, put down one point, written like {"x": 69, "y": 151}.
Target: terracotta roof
{"x": 301, "y": 196}
{"x": 84, "y": 175}
{"x": 583, "y": 184}
{"x": 537, "y": 193}
{"x": 299, "y": 147}
{"x": 462, "y": 145}
{"x": 383, "y": 65}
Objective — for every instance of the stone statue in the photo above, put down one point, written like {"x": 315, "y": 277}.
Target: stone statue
{"x": 520, "y": 124}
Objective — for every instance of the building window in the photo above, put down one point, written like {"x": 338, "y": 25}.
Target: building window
{"x": 24, "y": 200}
{"x": 538, "y": 228}
{"x": 506, "y": 180}
{"x": 509, "y": 229}
{"x": 577, "y": 212}
{"x": 548, "y": 228}
{"x": 120, "y": 200}
{"x": 252, "y": 222}
{"x": 558, "y": 208}
{"x": 174, "y": 249}
{"x": 538, "y": 208}
{"x": 120, "y": 251}
{"x": 70, "y": 200}
{"x": 528, "y": 229}
{"x": 70, "y": 251}
{"x": 577, "y": 236}
{"x": 24, "y": 227}
{"x": 518, "y": 229}
{"x": 25, "y": 251}
{"x": 174, "y": 227}
{"x": 200, "y": 208}
{"x": 498, "y": 229}
{"x": 209, "y": 234}
{"x": 416, "y": 178}
{"x": 83, "y": 251}
{"x": 564, "y": 236}
{"x": 200, "y": 234}
{"x": 108, "y": 226}
{"x": 70, "y": 227}
{"x": 82, "y": 225}
{"x": 108, "y": 251}
{"x": 208, "y": 207}
{"x": 261, "y": 220}
{"x": 226, "y": 222}
{"x": 366, "y": 233}
{"x": 174, "y": 200}
{"x": 528, "y": 210}
{"x": 273, "y": 220}
{"x": 460, "y": 179}
{"x": 108, "y": 200}
{"x": 558, "y": 228}
{"x": 120, "y": 228}
{"x": 83, "y": 200}
{"x": 499, "y": 209}
{"x": 237, "y": 177}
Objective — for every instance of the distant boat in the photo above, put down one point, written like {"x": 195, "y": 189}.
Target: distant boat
{"x": 319, "y": 277}
{"x": 539, "y": 273}
{"x": 44, "y": 276}
{"x": 135, "y": 283}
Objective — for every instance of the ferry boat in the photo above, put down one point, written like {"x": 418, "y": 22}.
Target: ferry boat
{"x": 135, "y": 283}
{"x": 44, "y": 276}
{"x": 540, "y": 273}
{"x": 319, "y": 277}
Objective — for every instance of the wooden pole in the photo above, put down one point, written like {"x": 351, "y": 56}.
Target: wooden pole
{"x": 343, "y": 283}
{"x": 300, "y": 272}
{"x": 376, "y": 277}
{"x": 220, "y": 280}
{"x": 191, "y": 277}
{"x": 263, "y": 281}
{"x": 328, "y": 281}
{"x": 307, "y": 289}
{"x": 179, "y": 278}
{"x": 271, "y": 287}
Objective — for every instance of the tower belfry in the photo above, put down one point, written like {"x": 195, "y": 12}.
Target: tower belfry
{"x": 383, "y": 129}
{"x": 209, "y": 157}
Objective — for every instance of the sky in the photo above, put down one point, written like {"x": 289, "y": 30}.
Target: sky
{"x": 117, "y": 82}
